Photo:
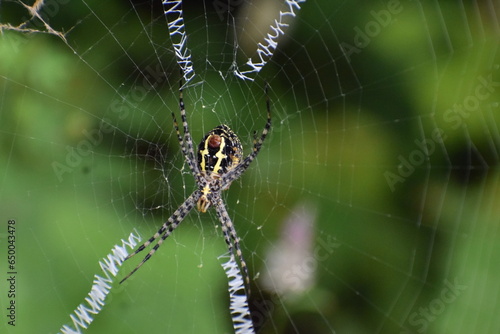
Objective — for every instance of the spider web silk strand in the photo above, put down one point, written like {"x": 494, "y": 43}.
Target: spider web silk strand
{"x": 175, "y": 20}
{"x": 240, "y": 312}
{"x": 266, "y": 50}
{"x": 94, "y": 302}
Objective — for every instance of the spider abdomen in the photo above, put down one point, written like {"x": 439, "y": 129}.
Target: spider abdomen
{"x": 219, "y": 151}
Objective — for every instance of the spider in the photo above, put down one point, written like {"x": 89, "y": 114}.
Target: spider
{"x": 217, "y": 163}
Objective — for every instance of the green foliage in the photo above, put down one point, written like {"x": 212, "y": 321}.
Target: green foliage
{"x": 87, "y": 153}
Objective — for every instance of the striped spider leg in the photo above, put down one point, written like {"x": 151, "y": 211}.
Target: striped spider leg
{"x": 217, "y": 163}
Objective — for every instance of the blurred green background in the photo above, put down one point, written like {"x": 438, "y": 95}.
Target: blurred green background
{"x": 385, "y": 127}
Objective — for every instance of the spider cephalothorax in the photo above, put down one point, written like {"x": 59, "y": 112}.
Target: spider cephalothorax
{"x": 217, "y": 162}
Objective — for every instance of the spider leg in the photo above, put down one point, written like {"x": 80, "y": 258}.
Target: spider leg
{"x": 166, "y": 229}
{"x": 257, "y": 145}
{"x": 186, "y": 143}
{"x": 232, "y": 239}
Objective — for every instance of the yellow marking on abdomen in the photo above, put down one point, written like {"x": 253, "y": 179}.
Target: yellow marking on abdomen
{"x": 219, "y": 155}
